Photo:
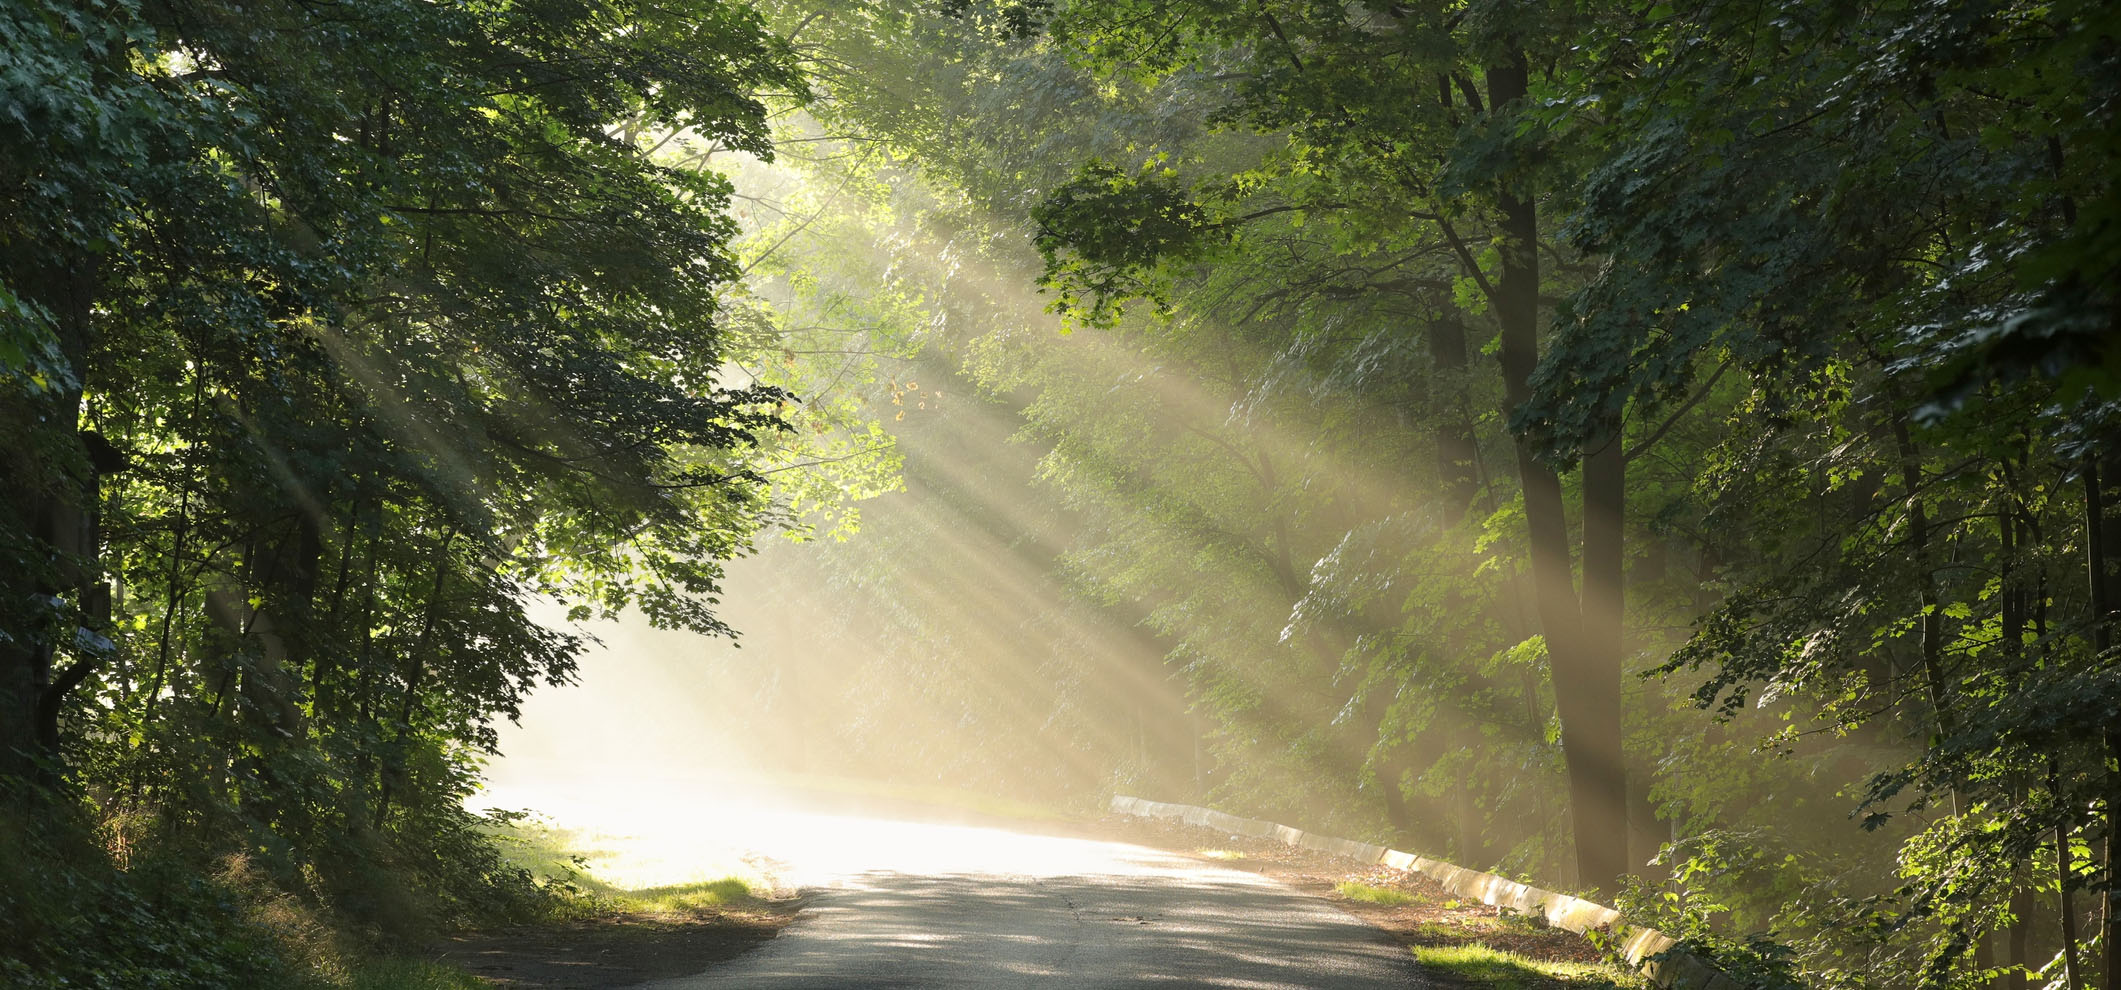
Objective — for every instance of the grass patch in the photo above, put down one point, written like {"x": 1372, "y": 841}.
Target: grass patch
{"x": 573, "y": 864}
{"x": 1476, "y": 965}
{"x": 1375, "y": 895}
{"x": 687, "y": 898}
{"x": 1222, "y": 854}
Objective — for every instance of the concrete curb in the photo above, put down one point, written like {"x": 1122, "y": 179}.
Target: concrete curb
{"x": 1647, "y": 949}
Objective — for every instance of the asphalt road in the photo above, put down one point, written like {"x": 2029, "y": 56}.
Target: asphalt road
{"x": 898, "y": 904}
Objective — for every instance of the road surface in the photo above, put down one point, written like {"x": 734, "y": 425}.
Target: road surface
{"x": 921, "y": 905}
{"x": 896, "y": 898}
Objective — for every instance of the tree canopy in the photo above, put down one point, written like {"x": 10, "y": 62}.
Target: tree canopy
{"x": 334, "y": 336}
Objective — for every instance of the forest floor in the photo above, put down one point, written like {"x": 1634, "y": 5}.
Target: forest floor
{"x": 1465, "y": 943}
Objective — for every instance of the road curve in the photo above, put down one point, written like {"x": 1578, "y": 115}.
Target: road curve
{"x": 989, "y": 908}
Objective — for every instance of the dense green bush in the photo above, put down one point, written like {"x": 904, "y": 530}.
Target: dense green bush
{"x": 74, "y": 919}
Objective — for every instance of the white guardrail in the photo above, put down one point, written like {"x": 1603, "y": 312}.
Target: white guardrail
{"x": 1652, "y": 952}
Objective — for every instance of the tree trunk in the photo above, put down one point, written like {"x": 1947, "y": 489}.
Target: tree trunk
{"x": 77, "y": 531}
{"x": 395, "y": 764}
{"x": 325, "y": 652}
{"x": 2071, "y": 978}
{"x": 1918, "y": 537}
{"x": 1647, "y": 834}
{"x": 51, "y": 493}
{"x": 2097, "y": 534}
{"x": 2018, "y": 939}
{"x": 1456, "y": 454}
{"x": 1598, "y": 774}
{"x": 1585, "y": 681}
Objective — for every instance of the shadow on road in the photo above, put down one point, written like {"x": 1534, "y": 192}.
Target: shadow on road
{"x": 1175, "y": 927}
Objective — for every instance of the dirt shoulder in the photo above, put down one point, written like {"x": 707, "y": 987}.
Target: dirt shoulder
{"x": 620, "y": 950}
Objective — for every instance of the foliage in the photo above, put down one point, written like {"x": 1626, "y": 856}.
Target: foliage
{"x": 334, "y": 338}
{"x": 1830, "y": 284}
{"x": 1754, "y": 960}
{"x": 77, "y": 922}
{"x": 1777, "y": 541}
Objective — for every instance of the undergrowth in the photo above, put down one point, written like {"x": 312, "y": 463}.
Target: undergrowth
{"x": 116, "y": 906}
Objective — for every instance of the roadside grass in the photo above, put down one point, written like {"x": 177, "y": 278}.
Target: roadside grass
{"x": 1386, "y": 896}
{"x": 1465, "y": 944}
{"x": 690, "y": 898}
{"x": 623, "y": 909}
{"x": 594, "y": 875}
{"x": 1473, "y": 964}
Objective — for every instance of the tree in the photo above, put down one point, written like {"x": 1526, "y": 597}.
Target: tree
{"x": 333, "y": 338}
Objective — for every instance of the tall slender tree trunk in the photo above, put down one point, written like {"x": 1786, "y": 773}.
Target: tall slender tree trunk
{"x": 2018, "y": 939}
{"x": 326, "y": 650}
{"x": 1918, "y": 537}
{"x": 364, "y": 681}
{"x": 2063, "y": 866}
{"x": 1603, "y": 762}
{"x": 395, "y": 764}
{"x": 2098, "y": 531}
{"x": 1586, "y": 688}
{"x": 2072, "y": 979}
{"x": 1457, "y": 457}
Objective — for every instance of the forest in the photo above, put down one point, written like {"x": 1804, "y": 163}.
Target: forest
{"x": 1667, "y": 451}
